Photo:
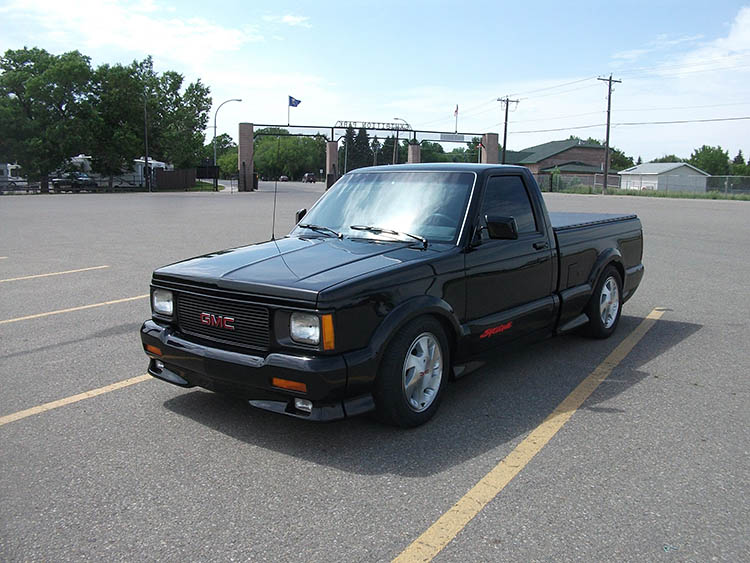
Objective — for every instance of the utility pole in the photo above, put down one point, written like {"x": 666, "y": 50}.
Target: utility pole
{"x": 506, "y": 101}
{"x": 146, "y": 177}
{"x": 609, "y": 82}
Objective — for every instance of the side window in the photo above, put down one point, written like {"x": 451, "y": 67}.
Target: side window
{"x": 507, "y": 196}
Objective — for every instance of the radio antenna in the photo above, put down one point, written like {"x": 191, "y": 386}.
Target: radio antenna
{"x": 275, "y": 189}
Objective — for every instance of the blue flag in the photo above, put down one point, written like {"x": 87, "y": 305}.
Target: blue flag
{"x": 293, "y": 102}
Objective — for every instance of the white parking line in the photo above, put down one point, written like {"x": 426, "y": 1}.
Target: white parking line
{"x": 53, "y": 274}
{"x": 70, "y": 310}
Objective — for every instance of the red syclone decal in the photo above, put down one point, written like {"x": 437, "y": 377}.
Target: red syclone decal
{"x": 496, "y": 330}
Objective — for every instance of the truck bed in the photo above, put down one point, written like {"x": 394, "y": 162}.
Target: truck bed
{"x": 562, "y": 220}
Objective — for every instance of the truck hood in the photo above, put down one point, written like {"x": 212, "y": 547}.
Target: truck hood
{"x": 295, "y": 268}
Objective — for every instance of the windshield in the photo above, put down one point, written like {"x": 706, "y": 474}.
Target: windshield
{"x": 428, "y": 204}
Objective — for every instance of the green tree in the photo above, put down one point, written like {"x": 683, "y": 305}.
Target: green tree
{"x": 362, "y": 151}
{"x": 376, "y": 149}
{"x": 277, "y": 153}
{"x": 45, "y": 109}
{"x": 739, "y": 167}
{"x": 177, "y": 116}
{"x": 347, "y": 151}
{"x": 117, "y": 128}
{"x": 224, "y": 143}
{"x": 639, "y": 161}
{"x": 432, "y": 152}
{"x": 713, "y": 160}
{"x": 227, "y": 162}
{"x": 618, "y": 160}
{"x": 668, "y": 158}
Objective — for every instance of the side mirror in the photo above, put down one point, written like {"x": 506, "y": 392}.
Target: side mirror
{"x": 501, "y": 227}
{"x": 299, "y": 215}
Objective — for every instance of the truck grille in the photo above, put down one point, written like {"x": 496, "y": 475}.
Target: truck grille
{"x": 250, "y": 322}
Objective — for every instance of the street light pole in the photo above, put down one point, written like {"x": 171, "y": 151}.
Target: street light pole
{"x": 216, "y": 180}
{"x": 395, "y": 146}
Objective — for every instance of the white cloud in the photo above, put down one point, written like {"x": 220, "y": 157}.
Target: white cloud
{"x": 134, "y": 29}
{"x": 289, "y": 19}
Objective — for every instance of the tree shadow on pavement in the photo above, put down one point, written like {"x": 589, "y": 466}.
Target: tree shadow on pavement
{"x": 496, "y": 405}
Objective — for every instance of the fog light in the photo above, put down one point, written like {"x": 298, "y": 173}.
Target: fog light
{"x": 158, "y": 365}
{"x": 303, "y": 405}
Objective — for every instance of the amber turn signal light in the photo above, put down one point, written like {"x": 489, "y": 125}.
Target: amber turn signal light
{"x": 329, "y": 342}
{"x": 153, "y": 349}
{"x": 289, "y": 384}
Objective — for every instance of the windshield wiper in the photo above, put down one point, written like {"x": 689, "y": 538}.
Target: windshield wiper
{"x": 321, "y": 229}
{"x": 378, "y": 230}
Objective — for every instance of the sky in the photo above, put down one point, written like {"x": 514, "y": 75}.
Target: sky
{"x": 417, "y": 60}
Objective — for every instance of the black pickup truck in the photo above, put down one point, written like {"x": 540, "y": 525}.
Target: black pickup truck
{"x": 398, "y": 279}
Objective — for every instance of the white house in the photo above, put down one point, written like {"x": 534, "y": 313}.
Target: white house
{"x": 664, "y": 176}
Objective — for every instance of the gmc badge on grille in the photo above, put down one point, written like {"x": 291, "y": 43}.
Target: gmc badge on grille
{"x": 219, "y": 321}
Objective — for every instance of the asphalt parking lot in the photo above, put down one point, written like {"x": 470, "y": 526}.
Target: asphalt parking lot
{"x": 653, "y": 466}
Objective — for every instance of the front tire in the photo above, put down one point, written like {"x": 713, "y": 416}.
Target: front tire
{"x": 412, "y": 374}
{"x": 605, "y": 307}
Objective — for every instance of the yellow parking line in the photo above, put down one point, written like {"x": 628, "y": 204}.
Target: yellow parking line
{"x": 442, "y": 532}
{"x": 72, "y": 399}
{"x": 81, "y": 308}
{"x": 53, "y": 274}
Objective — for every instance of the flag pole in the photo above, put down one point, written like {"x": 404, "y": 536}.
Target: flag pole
{"x": 288, "y": 105}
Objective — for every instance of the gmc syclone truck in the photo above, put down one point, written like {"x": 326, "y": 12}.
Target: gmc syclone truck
{"x": 393, "y": 281}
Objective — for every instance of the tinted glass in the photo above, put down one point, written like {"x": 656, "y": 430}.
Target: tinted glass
{"x": 506, "y": 196}
{"x": 429, "y": 204}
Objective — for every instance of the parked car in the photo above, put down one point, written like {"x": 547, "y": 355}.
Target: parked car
{"x": 74, "y": 182}
{"x": 283, "y": 178}
{"x": 308, "y": 178}
{"x": 398, "y": 279}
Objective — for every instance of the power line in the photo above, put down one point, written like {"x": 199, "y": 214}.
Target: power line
{"x": 683, "y": 121}
{"x": 686, "y": 107}
{"x": 554, "y": 87}
{"x": 631, "y": 123}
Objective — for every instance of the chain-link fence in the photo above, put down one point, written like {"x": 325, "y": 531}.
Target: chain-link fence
{"x": 728, "y": 184}
{"x": 576, "y": 183}
{"x": 669, "y": 183}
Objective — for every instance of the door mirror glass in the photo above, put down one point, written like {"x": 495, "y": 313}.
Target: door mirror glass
{"x": 299, "y": 215}
{"x": 501, "y": 227}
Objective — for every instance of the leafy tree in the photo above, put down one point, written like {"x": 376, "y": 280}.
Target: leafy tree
{"x": 117, "y": 128}
{"x": 347, "y": 151}
{"x": 739, "y": 167}
{"x": 277, "y": 153}
{"x": 177, "y": 117}
{"x": 618, "y": 160}
{"x": 376, "y": 148}
{"x": 712, "y": 160}
{"x": 362, "y": 152}
{"x": 668, "y": 158}
{"x": 639, "y": 161}
{"x": 432, "y": 152}
{"x": 227, "y": 162}
{"x": 45, "y": 109}
{"x": 224, "y": 143}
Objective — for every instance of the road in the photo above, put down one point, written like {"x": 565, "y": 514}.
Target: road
{"x": 653, "y": 466}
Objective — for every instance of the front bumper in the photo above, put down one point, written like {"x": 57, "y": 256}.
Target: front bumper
{"x": 188, "y": 364}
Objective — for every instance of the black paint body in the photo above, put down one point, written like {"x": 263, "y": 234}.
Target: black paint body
{"x": 486, "y": 293}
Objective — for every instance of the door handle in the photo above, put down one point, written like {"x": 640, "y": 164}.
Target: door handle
{"x": 541, "y": 245}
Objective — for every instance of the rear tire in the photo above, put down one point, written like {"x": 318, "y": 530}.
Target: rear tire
{"x": 412, "y": 374}
{"x": 605, "y": 306}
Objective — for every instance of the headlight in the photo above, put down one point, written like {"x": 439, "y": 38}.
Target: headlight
{"x": 304, "y": 328}
{"x": 162, "y": 302}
